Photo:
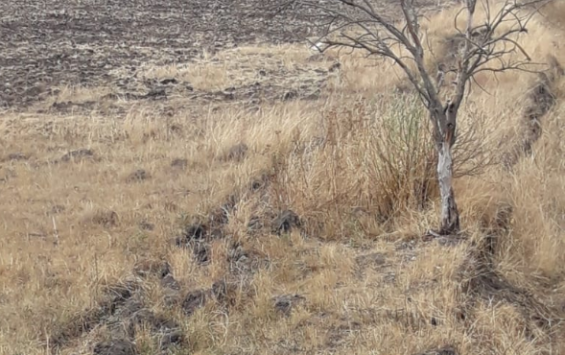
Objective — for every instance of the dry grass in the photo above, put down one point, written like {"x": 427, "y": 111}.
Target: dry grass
{"x": 240, "y": 67}
{"x": 352, "y": 167}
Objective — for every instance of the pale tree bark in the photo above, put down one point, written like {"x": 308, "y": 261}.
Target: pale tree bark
{"x": 449, "y": 213}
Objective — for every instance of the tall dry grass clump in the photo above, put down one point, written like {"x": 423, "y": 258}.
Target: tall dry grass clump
{"x": 373, "y": 160}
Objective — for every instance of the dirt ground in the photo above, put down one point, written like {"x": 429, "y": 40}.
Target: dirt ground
{"x": 56, "y": 43}
{"x": 47, "y": 45}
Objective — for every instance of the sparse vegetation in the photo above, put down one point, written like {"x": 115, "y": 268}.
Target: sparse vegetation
{"x": 284, "y": 217}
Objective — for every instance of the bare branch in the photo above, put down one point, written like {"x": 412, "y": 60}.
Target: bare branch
{"x": 490, "y": 46}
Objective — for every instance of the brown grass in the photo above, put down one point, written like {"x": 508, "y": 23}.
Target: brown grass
{"x": 349, "y": 166}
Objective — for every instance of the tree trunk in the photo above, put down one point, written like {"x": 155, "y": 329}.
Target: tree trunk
{"x": 449, "y": 213}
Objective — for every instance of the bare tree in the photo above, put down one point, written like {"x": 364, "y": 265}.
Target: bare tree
{"x": 489, "y": 46}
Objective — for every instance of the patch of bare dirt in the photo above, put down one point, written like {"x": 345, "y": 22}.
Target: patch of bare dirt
{"x": 58, "y": 42}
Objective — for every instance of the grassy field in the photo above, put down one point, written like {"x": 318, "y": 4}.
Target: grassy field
{"x": 260, "y": 211}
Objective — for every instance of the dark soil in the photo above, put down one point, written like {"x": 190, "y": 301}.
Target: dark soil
{"x": 61, "y": 42}
{"x": 46, "y": 45}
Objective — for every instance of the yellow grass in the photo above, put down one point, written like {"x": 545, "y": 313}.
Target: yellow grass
{"x": 70, "y": 228}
